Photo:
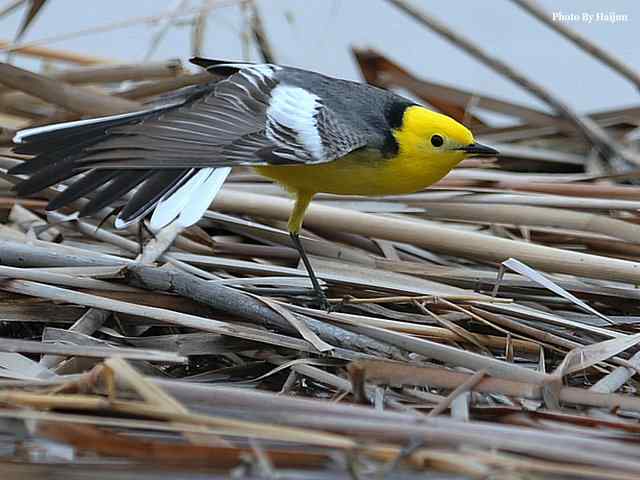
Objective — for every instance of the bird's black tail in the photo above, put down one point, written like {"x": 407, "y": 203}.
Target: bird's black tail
{"x": 66, "y": 152}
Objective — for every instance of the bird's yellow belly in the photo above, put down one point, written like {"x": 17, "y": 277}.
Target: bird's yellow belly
{"x": 361, "y": 173}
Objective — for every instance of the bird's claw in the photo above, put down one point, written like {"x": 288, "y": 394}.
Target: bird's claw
{"x": 321, "y": 302}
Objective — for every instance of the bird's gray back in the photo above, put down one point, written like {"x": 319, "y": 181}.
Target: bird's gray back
{"x": 365, "y": 107}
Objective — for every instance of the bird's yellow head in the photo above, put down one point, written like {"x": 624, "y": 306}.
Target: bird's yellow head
{"x": 440, "y": 140}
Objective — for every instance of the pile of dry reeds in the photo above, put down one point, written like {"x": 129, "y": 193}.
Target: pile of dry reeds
{"x": 484, "y": 328}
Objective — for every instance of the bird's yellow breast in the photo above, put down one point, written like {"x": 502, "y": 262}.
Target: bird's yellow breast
{"x": 364, "y": 172}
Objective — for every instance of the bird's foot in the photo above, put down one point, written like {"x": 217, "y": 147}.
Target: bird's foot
{"x": 321, "y": 302}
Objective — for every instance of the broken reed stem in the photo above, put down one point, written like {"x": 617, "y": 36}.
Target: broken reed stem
{"x": 72, "y": 98}
{"x": 617, "y": 378}
{"x": 90, "y": 321}
{"x": 120, "y": 73}
{"x": 105, "y": 74}
{"x": 28, "y": 346}
{"x": 150, "y": 89}
{"x": 52, "y": 54}
{"x": 467, "y": 386}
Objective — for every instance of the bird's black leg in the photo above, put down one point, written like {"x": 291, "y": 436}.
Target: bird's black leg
{"x": 322, "y": 298}
{"x": 140, "y": 237}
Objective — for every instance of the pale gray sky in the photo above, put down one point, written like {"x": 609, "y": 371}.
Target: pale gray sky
{"x": 317, "y": 34}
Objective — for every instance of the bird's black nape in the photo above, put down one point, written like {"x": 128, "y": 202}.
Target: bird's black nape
{"x": 395, "y": 113}
{"x": 223, "y": 67}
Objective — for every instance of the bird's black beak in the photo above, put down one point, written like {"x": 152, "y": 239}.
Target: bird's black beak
{"x": 479, "y": 149}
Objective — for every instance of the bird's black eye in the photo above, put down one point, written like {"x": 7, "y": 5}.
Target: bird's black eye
{"x": 437, "y": 141}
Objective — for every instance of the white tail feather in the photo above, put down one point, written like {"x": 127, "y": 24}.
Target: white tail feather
{"x": 203, "y": 196}
{"x": 119, "y": 223}
{"x": 170, "y": 206}
{"x": 189, "y": 202}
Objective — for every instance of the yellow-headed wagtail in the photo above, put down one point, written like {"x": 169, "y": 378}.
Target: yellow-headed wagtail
{"x": 309, "y": 132}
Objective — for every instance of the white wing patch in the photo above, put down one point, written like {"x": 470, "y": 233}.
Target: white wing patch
{"x": 295, "y": 108}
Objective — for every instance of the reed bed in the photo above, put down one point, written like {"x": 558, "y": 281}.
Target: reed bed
{"x": 485, "y": 328}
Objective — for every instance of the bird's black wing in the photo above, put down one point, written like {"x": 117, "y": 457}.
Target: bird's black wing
{"x": 251, "y": 118}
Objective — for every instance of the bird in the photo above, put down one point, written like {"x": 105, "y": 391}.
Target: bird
{"x": 308, "y": 132}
